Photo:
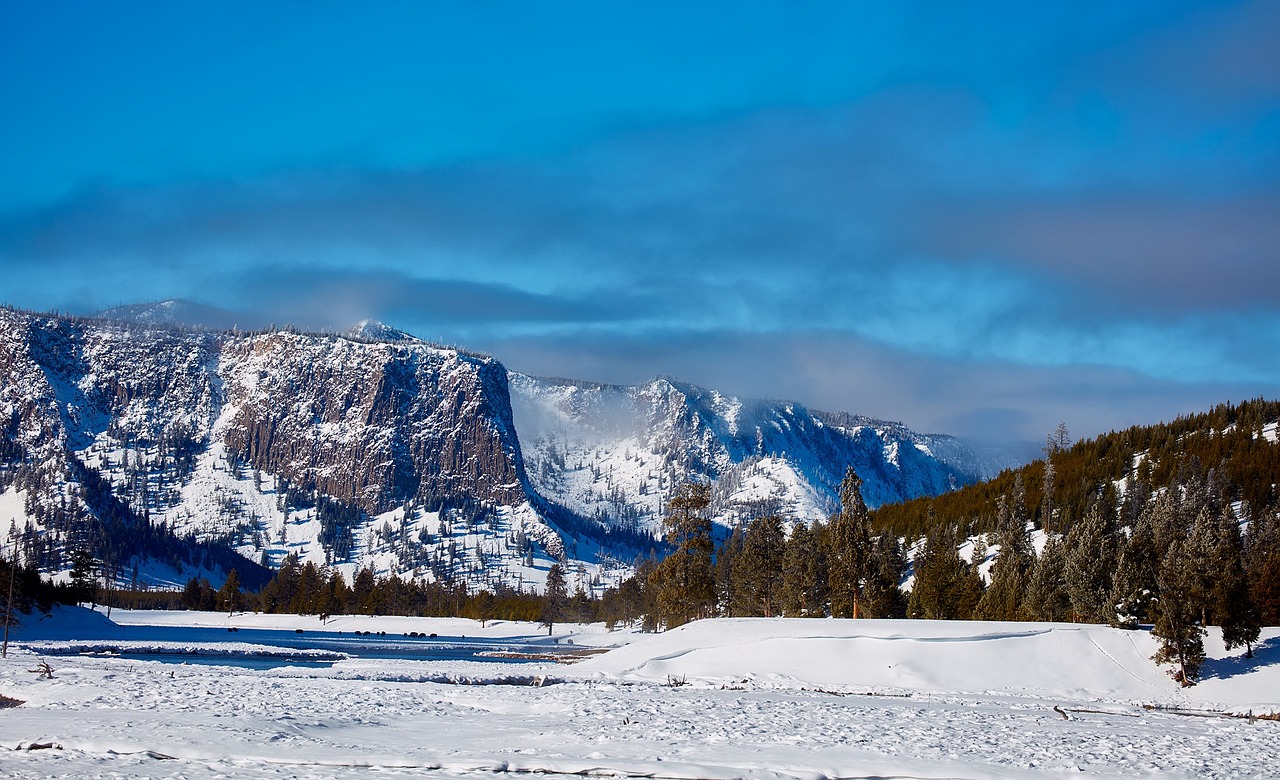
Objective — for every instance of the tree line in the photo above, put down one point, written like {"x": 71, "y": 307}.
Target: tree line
{"x": 1170, "y": 555}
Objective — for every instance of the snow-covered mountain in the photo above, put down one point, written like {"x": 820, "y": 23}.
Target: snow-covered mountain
{"x": 614, "y": 452}
{"x": 377, "y": 449}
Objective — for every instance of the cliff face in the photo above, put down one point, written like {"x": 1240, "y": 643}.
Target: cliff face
{"x": 249, "y": 440}
{"x": 374, "y": 425}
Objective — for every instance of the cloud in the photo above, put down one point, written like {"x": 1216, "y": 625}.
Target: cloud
{"x": 995, "y": 400}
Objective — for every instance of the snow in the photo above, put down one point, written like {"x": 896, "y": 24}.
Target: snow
{"x": 760, "y": 698}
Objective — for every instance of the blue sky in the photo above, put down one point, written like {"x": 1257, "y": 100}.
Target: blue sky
{"x": 974, "y": 218}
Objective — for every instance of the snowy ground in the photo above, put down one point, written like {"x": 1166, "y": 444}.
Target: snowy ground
{"x": 761, "y": 698}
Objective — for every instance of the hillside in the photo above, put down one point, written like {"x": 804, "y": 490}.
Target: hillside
{"x": 1234, "y": 447}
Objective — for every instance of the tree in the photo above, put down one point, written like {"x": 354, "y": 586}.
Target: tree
{"x": 84, "y": 577}
{"x": 804, "y": 576}
{"x": 946, "y": 586}
{"x": 1011, "y": 571}
{"x": 556, "y": 597}
{"x": 1134, "y": 586}
{"x": 1046, "y": 597}
{"x": 229, "y": 596}
{"x": 1262, "y": 556}
{"x": 848, "y": 549}
{"x": 758, "y": 569}
{"x": 884, "y": 597}
{"x": 1180, "y": 635}
{"x": 684, "y": 580}
{"x": 728, "y": 597}
{"x": 1090, "y": 565}
{"x": 1232, "y": 603}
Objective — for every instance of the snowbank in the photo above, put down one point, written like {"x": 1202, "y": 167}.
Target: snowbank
{"x": 1040, "y": 660}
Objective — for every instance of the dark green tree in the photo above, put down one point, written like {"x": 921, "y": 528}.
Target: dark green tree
{"x": 1011, "y": 572}
{"x": 946, "y": 586}
{"x": 1090, "y": 565}
{"x": 230, "y": 597}
{"x": 848, "y": 549}
{"x": 1046, "y": 597}
{"x": 728, "y": 596}
{"x": 1177, "y": 615}
{"x": 684, "y": 579}
{"x": 1134, "y": 586}
{"x": 758, "y": 568}
{"x": 556, "y": 597}
{"x": 84, "y": 576}
{"x": 804, "y": 576}
{"x": 884, "y": 596}
{"x": 1233, "y": 608}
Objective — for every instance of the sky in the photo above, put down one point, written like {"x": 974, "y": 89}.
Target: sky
{"x": 979, "y": 219}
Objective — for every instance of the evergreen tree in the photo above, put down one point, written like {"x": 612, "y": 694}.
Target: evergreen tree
{"x": 364, "y": 593}
{"x": 1046, "y": 597}
{"x": 804, "y": 577}
{"x": 1177, "y": 615}
{"x": 884, "y": 598}
{"x": 758, "y": 568}
{"x": 848, "y": 549}
{"x": 84, "y": 576}
{"x": 946, "y": 586}
{"x": 1262, "y": 557}
{"x": 1134, "y": 586}
{"x": 1011, "y": 572}
{"x": 684, "y": 580}
{"x": 1232, "y": 603}
{"x": 1090, "y": 565}
{"x": 556, "y": 598}
{"x": 727, "y": 596}
{"x": 229, "y": 596}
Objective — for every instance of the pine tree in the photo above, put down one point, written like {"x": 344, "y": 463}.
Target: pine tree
{"x": 1046, "y": 597}
{"x": 848, "y": 549}
{"x": 84, "y": 576}
{"x": 1262, "y": 556}
{"x": 1011, "y": 572}
{"x": 1090, "y": 565}
{"x": 728, "y": 597}
{"x": 758, "y": 569}
{"x": 1177, "y": 615}
{"x": 556, "y": 597}
{"x": 1133, "y": 589}
{"x": 885, "y": 598}
{"x": 684, "y": 580}
{"x": 229, "y": 596}
{"x": 804, "y": 577}
{"x": 946, "y": 586}
{"x": 1232, "y": 604}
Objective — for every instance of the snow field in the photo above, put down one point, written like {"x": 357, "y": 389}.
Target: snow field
{"x": 762, "y": 698}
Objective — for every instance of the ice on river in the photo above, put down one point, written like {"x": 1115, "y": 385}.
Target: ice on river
{"x": 715, "y": 699}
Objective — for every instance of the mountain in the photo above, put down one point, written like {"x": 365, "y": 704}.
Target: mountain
{"x": 207, "y": 450}
{"x": 614, "y": 452}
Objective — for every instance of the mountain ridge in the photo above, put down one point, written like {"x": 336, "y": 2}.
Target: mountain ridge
{"x": 373, "y": 448}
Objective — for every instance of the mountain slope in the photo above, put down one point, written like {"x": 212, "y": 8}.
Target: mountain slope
{"x": 610, "y": 451}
